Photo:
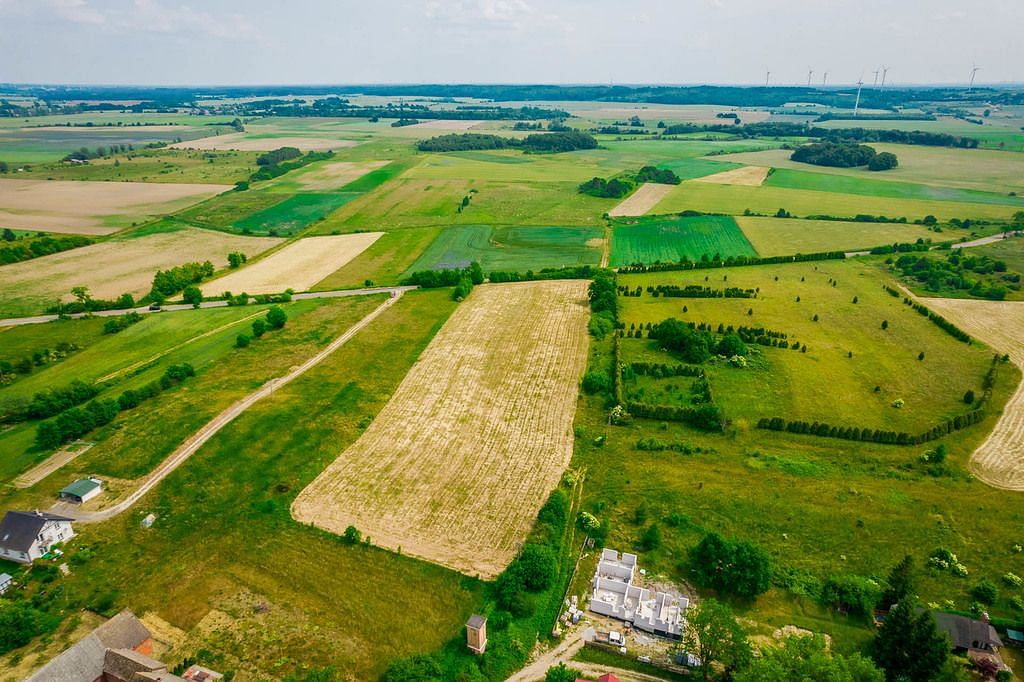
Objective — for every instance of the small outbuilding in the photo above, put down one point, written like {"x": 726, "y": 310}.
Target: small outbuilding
{"x": 5, "y": 582}
{"x": 476, "y": 633}
{"x": 82, "y": 490}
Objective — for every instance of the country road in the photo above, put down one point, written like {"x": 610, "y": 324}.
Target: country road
{"x": 144, "y": 310}
{"x": 197, "y": 440}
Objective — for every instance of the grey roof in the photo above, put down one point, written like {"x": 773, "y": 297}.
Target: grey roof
{"x": 123, "y": 631}
{"x": 124, "y": 663}
{"x": 476, "y": 621}
{"x": 158, "y": 676}
{"x": 5, "y": 577}
{"x": 20, "y": 529}
{"x": 967, "y": 633}
{"x": 83, "y": 662}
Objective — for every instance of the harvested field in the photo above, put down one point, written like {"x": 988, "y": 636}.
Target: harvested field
{"x": 642, "y": 200}
{"x": 999, "y": 461}
{"x": 441, "y": 124}
{"x": 751, "y": 176}
{"x": 298, "y": 266}
{"x": 82, "y": 207}
{"x": 456, "y": 466}
{"x": 244, "y": 143}
{"x": 114, "y": 267}
{"x": 335, "y": 175}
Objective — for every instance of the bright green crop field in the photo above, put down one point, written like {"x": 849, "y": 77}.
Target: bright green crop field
{"x": 515, "y": 248}
{"x": 293, "y": 214}
{"x": 668, "y": 239}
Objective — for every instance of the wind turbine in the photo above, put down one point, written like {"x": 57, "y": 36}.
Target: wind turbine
{"x": 885, "y": 70}
{"x": 974, "y": 72}
{"x": 824, "y": 77}
{"x": 766, "y": 78}
{"x": 856, "y": 105}
{"x": 876, "y": 78}
{"x": 810, "y": 72}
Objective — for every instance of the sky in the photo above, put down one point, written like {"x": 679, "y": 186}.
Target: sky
{"x": 227, "y": 42}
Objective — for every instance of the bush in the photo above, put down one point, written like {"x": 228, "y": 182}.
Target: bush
{"x": 737, "y": 567}
{"x": 352, "y": 536}
{"x": 276, "y": 317}
{"x": 259, "y": 328}
{"x": 538, "y": 566}
{"x": 883, "y": 161}
{"x": 651, "y": 539}
{"x": 596, "y": 382}
{"x": 985, "y": 592}
{"x": 852, "y": 594}
{"x": 242, "y": 341}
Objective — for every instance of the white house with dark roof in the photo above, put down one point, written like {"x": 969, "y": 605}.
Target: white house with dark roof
{"x": 26, "y": 536}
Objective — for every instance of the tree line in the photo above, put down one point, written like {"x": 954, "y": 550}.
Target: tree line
{"x": 685, "y": 263}
{"x": 844, "y": 155}
{"x": 463, "y": 279}
{"x": 75, "y": 422}
{"x": 564, "y": 141}
{"x": 618, "y": 187}
{"x": 34, "y": 247}
{"x": 38, "y": 358}
{"x": 280, "y": 161}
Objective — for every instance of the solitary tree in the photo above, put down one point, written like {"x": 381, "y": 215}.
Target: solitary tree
{"x": 276, "y": 317}
{"x": 716, "y": 638}
{"x": 192, "y": 295}
{"x": 901, "y": 582}
{"x": 908, "y": 645}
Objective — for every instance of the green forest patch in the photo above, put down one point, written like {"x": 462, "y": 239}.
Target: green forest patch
{"x": 670, "y": 238}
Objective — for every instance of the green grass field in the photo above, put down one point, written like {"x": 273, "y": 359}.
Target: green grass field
{"x": 511, "y": 248}
{"x": 293, "y": 214}
{"x": 973, "y": 169}
{"x": 155, "y": 165}
{"x": 735, "y": 199}
{"x": 784, "y": 236}
{"x": 670, "y": 238}
{"x": 238, "y": 489}
{"x": 819, "y": 507}
{"x": 871, "y": 187}
{"x": 37, "y": 144}
{"x": 223, "y": 210}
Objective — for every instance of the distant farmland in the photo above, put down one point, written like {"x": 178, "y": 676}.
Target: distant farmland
{"x": 670, "y": 238}
{"x": 457, "y": 464}
{"x": 512, "y": 248}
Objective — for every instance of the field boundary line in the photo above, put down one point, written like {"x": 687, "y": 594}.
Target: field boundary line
{"x": 182, "y": 453}
{"x": 161, "y": 354}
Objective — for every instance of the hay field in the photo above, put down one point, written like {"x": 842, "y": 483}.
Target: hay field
{"x": 456, "y": 466}
{"x": 785, "y": 236}
{"x": 750, "y": 176}
{"x": 84, "y": 207}
{"x": 999, "y": 461}
{"x": 642, "y": 200}
{"x": 114, "y": 267}
{"x": 298, "y": 266}
{"x": 244, "y": 142}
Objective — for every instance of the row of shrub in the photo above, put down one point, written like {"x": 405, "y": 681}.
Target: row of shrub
{"x": 121, "y": 322}
{"x": 77, "y": 421}
{"x": 573, "y": 272}
{"x": 939, "y": 321}
{"x": 706, "y": 416}
{"x": 655, "y": 445}
{"x": 87, "y": 304}
{"x": 697, "y": 291}
{"x": 868, "y": 435}
{"x": 661, "y": 370}
{"x": 38, "y": 358}
{"x": 39, "y": 246}
{"x": 463, "y": 279}
{"x": 604, "y": 306}
{"x": 731, "y": 261}
{"x": 562, "y": 141}
{"x": 168, "y": 282}
{"x": 275, "y": 319}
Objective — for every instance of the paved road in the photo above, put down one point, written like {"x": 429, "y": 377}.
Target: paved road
{"x": 196, "y": 441}
{"x": 37, "y": 319}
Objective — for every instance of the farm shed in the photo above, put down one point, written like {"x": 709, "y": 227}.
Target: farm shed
{"x": 26, "y": 536}
{"x": 82, "y": 490}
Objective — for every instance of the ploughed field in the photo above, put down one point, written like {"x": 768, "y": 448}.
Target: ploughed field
{"x": 456, "y": 466}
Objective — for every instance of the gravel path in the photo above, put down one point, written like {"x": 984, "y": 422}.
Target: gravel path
{"x": 190, "y": 446}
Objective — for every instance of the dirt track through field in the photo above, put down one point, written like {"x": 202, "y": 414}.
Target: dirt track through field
{"x": 336, "y": 175}
{"x": 642, "y": 200}
{"x": 212, "y": 427}
{"x": 999, "y": 461}
{"x": 749, "y": 176}
{"x": 51, "y": 464}
{"x": 456, "y": 466}
{"x": 80, "y": 206}
{"x": 297, "y": 266}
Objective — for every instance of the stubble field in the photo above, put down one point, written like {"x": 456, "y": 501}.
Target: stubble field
{"x": 457, "y": 464}
{"x": 298, "y": 266}
{"x": 86, "y": 207}
{"x": 999, "y": 460}
{"x": 116, "y": 266}
{"x": 641, "y": 201}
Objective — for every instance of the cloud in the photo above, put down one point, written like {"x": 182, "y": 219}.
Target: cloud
{"x": 515, "y": 14}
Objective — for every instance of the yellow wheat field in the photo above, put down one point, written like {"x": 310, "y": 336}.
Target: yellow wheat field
{"x": 458, "y": 463}
{"x": 999, "y": 461}
{"x": 642, "y": 200}
{"x": 750, "y": 176}
{"x": 297, "y": 266}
